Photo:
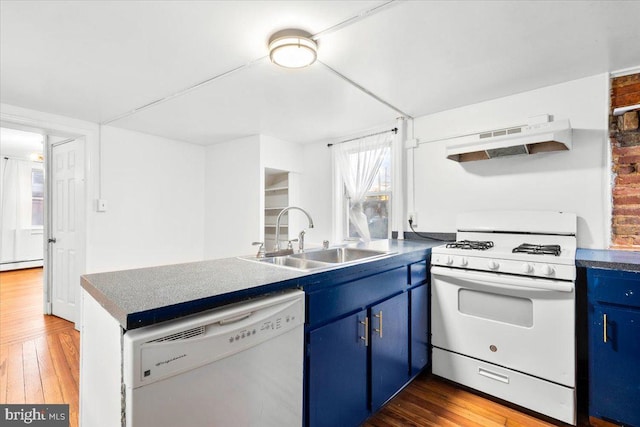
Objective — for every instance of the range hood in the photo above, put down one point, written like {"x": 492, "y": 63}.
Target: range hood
{"x": 527, "y": 139}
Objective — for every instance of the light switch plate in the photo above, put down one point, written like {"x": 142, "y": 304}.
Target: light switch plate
{"x": 102, "y": 205}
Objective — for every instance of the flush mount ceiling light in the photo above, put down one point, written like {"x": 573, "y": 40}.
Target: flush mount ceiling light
{"x": 292, "y": 48}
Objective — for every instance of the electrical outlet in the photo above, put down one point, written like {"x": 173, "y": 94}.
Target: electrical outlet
{"x": 413, "y": 216}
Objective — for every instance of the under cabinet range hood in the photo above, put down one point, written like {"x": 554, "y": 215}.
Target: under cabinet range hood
{"x": 527, "y": 139}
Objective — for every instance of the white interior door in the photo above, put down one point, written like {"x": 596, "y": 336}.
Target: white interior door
{"x": 67, "y": 169}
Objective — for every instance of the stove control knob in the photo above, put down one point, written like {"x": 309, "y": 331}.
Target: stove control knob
{"x": 464, "y": 262}
{"x": 493, "y": 265}
{"x": 547, "y": 270}
{"x": 527, "y": 268}
{"x": 448, "y": 260}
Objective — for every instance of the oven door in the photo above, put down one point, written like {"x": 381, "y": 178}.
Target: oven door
{"x": 522, "y": 323}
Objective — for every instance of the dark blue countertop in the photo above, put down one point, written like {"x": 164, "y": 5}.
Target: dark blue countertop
{"x": 145, "y": 296}
{"x": 609, "y": 259}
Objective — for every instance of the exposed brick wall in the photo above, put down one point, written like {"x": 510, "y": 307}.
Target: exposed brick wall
{"x": 624, "y": 132}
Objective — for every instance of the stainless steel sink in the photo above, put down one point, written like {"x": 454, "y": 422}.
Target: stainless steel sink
{"x": 339, "y": 255}
{"x": 322, "y": 259}
{"x": 288, "y": 261}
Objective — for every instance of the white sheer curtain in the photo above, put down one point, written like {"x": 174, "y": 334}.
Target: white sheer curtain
{"x": 15, "y": 195}
{"x": 358, "y": 163}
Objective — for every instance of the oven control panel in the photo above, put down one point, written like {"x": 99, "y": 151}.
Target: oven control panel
{"x": 526, "y": 268}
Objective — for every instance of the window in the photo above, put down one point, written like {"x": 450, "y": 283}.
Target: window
{"x": 376, "y": 205}
{"x": 37, "y": 197}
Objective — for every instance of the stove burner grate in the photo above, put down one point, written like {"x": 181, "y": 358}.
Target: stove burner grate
{"x": 529, "y": 248}
{"x": 471, "y": 244}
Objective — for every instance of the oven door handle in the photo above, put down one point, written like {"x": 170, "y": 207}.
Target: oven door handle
{"x": 500, "y": 281}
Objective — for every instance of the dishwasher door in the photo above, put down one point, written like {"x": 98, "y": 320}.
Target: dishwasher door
{"x": 236, "y": 366}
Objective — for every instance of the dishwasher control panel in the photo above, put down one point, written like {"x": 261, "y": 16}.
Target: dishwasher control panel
{"x": 160, "y": 351}
{"x": 284, "y": 322}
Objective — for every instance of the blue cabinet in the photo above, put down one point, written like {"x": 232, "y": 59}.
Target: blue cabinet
{"x": 337, "y": 374}
{"x": 361, "y": 344}
{"x": 419, "y": 315}
{"x": 419, "y": 327}
{"x": 614, "y": 345}
{"x": 389, "y": 348}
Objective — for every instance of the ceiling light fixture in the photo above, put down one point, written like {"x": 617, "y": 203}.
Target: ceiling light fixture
{"x": 292, "y": 48}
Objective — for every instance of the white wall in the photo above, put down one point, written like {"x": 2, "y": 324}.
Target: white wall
{"x": 233, "y": 211}
{"x": 573, "y": 181}
{"x": 316, "y": 191}
{"x": 154, "y": 188}
{"x": 286, "y": 156}
{"x": 278, "y": 154}
{"x": 232, "y": 197}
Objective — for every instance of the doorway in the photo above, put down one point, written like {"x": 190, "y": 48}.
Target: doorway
{"x": 42, "y": 200}
{"x": 22, "y": 190}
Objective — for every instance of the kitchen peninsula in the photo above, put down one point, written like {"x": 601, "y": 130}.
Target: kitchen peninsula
{"x": 116, "y": 302}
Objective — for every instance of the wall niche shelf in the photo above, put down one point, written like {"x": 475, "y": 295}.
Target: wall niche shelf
{"x": 276, "y": 198}
{"x": 275, "y": 189}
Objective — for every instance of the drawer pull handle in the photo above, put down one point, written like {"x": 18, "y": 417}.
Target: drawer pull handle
{"x": 604, "y": 327}
{"x": 493, "y": 375}
{"x": 365, "y": 338}
{"x": 235, "y": 318}
{"x": 379, "y": 316}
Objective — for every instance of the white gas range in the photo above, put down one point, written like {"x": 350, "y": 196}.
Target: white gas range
{"x": 503, "y": 308}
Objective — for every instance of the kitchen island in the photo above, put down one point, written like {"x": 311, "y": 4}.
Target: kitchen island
{"x": 115, "y": 302}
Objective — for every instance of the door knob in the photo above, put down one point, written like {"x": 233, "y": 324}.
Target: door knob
{"x": 52, "y": 240}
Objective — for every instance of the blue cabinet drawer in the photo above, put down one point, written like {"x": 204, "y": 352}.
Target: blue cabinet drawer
{"x": 336, "y": 301}
{"x": 614, "y": 287}
{"x": 418, "y": 273}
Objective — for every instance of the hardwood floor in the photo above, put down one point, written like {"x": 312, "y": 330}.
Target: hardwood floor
{"x": 39, "y": 363}
{"x": 39, "y": 355}
{"x": 430, "y": 401}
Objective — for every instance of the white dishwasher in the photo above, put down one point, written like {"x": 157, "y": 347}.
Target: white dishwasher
{"x": 239, "y": 365}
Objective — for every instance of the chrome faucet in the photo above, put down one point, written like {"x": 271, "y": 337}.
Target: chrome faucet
{"x": 276, "y": 248}
{"x": 261, "y": 252}
{"x": 301, "y": 241}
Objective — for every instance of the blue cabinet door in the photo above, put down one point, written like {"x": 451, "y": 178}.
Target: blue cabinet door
{"x": 337, "y": 389}
{"x": 389, "y": 348}
{"x": 615, "y": 364}
{"x": 419, "y": 314}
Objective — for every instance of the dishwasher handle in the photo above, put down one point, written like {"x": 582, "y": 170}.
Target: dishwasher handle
{"x": 234, "y": 319}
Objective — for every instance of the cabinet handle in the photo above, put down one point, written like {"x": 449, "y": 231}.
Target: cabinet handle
{"x": 379, "y": 316}
{"x": 604, "y": 327}
{"x": 365, "y": 338}
{"x": 493, "y": 375}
